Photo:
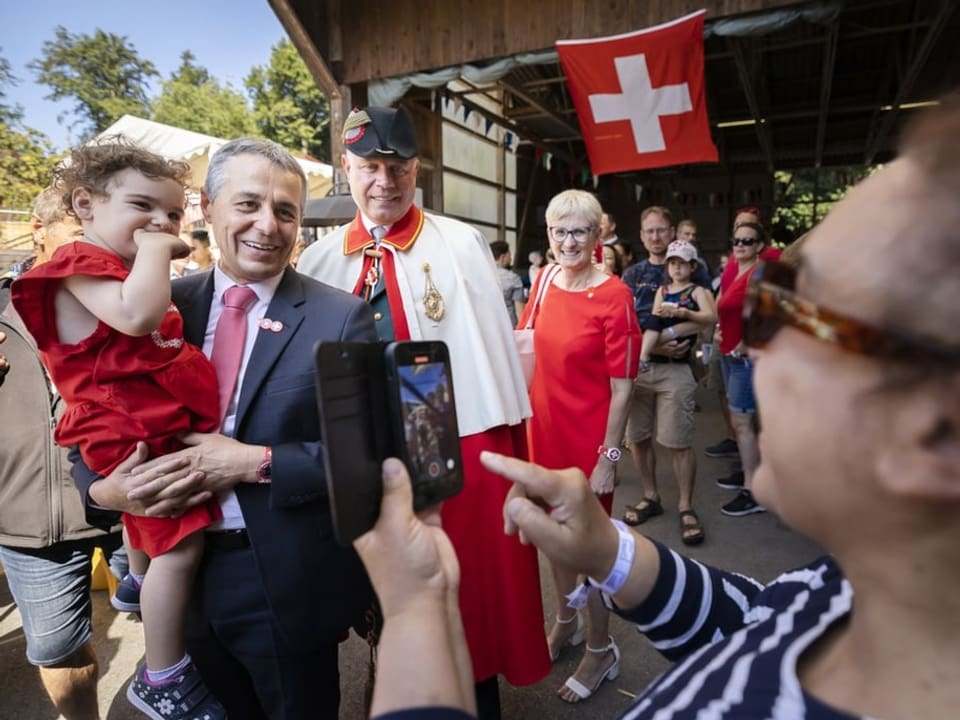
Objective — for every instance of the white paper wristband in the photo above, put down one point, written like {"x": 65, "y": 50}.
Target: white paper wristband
{"x": 621, "y": 567}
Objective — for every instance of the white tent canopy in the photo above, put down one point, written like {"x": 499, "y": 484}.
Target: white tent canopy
{"x": 196, "y": 149}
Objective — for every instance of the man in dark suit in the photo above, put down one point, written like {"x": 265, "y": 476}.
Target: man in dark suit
{"x": 274, "y": 592}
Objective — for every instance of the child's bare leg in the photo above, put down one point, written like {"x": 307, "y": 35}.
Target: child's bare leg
{"x": 127, "y": 596}
{"x": 163, "y": 601}
{"x": 137, "y": 559}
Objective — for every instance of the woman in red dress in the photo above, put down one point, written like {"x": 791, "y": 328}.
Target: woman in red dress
{"x": 587, "y": 345}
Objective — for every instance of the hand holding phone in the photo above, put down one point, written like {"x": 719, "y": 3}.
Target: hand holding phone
{"x": 376, "y": 402}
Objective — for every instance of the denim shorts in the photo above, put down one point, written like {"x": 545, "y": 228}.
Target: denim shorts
{"x": 738, "y": 381}
{"x": 51, "y": 587}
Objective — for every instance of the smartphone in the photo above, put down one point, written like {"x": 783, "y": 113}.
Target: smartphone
{"x": 378, "y": 401}
{"x": 424, "y": 418}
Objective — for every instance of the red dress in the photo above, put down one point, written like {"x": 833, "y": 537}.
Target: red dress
{"x": 500, "y": 578}
{"x": 582, "y": 339}
{"x": 121, "y": 389}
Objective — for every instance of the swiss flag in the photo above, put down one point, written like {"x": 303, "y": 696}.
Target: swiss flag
{"x": 640, "y": 96}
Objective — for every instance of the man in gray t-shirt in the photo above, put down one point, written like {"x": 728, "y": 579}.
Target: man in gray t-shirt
{"x": 510, "y": 282}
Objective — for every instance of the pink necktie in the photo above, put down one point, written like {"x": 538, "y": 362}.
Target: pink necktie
{"x": 229, "y": 339}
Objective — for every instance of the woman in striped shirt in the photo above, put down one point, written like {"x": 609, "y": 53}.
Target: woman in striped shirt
{"x": 858, "y": 378}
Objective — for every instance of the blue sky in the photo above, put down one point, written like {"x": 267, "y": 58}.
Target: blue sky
{"x": 228, "y": 37}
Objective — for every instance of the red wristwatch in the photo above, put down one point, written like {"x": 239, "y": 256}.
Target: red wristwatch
{"x": 265, "y": 469}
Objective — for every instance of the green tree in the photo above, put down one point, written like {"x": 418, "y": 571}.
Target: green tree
{"x": 102, "y": 74}
{"x": 194, "y": 100}
{"x": 288, "y": 106}
{"x": 806, "y": 195}
{"x": 26, "y": 154}
{"x": 6, "y": 79}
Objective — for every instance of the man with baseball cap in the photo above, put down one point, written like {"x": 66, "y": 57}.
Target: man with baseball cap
{"x": 429, "y": 277}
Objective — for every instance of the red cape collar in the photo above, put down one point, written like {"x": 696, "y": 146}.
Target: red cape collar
{"x": 403, "y": 234}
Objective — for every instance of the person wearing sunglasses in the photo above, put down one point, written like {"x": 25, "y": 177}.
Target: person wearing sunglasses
{"x": 749, "y": 238}
{"x": 728, "y": 273}
{"x": 858, "y": 376}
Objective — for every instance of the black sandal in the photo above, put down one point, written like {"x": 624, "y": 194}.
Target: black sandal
{"x": 642, "y": 511}
{"x": 691, "y": 533}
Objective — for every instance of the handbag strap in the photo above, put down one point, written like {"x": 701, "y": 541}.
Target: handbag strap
{"x": 543, "y": 283}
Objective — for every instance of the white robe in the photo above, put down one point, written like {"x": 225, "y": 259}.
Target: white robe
{"x": 488, "y": 382}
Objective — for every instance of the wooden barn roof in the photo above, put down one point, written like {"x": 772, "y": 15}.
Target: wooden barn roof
{"x": 807, "y": 94}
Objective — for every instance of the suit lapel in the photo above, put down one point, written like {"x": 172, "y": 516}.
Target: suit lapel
{"x": 193, "y": 297}
{"x": 287, "y": 307}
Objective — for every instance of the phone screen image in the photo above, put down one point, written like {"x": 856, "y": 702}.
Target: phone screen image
{"x": 425, "y": 419}
{"x": 429, "y": 421}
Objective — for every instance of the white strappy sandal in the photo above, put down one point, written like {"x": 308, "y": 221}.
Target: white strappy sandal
{"x": 574, "y": 639}
{"x": 611, "y": 673}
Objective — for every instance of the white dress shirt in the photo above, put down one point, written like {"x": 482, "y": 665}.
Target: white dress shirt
{"x": 232, "y": 515}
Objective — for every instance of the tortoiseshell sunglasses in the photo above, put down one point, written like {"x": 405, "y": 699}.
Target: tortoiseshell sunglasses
{"x": 772, "y": 302}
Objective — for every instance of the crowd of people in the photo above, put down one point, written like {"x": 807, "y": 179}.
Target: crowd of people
{"x": 188, "y": 407}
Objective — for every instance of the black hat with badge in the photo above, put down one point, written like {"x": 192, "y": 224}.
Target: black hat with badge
{"x": 380, "y": 132}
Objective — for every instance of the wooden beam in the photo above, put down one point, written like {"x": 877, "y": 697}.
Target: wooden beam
{"x": 514, "y": 90}
{"x": 763, "y": 133}
{"x": 527, "y": 202}
{"x": 807, "y": 113}
{"x": 826, "y": 85}
{"x": 304, "y": 43}
{"x": 518, "y": 130}
{"x": 720, "y": 137}
{"x": 561, "y": 78}
{"x": 473, "y": 89}
{"x": 337, "y": 95}
{"x": 817, "y": 40}
{"x": 947, "y": 8}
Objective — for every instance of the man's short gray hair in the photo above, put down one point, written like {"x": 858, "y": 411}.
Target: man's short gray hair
{"x": 276, "y": 154}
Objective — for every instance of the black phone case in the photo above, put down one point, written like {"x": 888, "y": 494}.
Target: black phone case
{"x": 351, "y": 384}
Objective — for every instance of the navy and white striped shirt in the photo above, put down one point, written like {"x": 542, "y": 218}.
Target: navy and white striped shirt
{"x": 735, "y": 641}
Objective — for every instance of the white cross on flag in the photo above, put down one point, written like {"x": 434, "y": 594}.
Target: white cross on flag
{"x": 640, "y": 96}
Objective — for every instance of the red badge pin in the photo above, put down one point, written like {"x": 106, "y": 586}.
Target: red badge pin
{"x": 354, "y": 135}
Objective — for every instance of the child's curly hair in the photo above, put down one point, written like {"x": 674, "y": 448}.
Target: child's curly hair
{"x": 91, "y": 166}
